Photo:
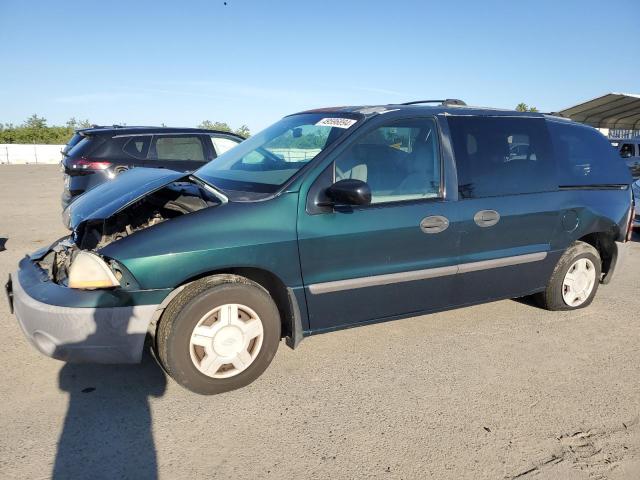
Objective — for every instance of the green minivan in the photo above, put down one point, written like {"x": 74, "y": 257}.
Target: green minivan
{"x": 327, "y": 219}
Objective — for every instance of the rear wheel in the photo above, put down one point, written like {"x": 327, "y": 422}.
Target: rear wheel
{"x": 220, "y": 333}
{"x": 575, "y": 279}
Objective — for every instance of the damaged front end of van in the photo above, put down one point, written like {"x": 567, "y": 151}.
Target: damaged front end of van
{"x": 72, "y": 300}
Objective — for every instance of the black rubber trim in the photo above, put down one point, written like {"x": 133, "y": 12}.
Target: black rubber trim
{"x": 297, "y": 335}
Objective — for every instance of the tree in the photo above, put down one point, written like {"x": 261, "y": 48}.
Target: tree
{"x": 243, "y": 131}
{"x": 35, "y": 130}
{"x": 225, "y": 127}
{"x": 209, "y": 125}
{"x": 34, "y": 121}
{"x": 523, "y": 107}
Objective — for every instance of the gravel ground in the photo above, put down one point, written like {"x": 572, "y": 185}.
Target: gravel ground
{"x": 497, "y": 391}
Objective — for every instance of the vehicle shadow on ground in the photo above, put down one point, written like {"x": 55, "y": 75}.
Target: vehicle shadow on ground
{"x": 107, "y": 431}
{"x": 529, "y": 301}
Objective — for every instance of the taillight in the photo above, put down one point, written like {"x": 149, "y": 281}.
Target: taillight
{"x": 88, "y": 164}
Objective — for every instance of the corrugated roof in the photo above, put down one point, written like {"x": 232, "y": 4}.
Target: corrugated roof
{"x": 613, "y": 110}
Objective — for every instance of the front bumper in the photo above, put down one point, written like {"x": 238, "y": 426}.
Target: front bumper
{"x": 112, "y": 334}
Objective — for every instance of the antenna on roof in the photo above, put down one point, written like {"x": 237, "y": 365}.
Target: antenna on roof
{"x": 447, "y": 102}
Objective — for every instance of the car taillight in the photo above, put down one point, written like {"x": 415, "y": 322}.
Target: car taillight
{"x": 88, "y": 164}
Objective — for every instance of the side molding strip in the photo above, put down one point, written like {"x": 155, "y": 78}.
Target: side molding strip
{"x": 378, "y": 280}
{"x": 412, "y": 275}
{"x": 501, "y": 262}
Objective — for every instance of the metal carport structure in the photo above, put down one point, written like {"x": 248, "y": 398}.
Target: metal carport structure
{"x": 610, "y": 111}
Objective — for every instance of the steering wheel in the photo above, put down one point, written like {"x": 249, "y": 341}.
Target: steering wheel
{"x": 271, "y": 157}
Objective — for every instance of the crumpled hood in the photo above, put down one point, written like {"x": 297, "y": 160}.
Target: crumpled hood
{"x": 110, "y": 197}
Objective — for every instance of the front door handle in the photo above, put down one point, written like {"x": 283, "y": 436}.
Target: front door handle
{"x": 434, "y": 224}
{"x": 486, "y": 218}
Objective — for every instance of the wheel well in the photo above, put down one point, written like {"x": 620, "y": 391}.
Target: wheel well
{"x": 605, "y": 244}
{"x": 270, "y": 283}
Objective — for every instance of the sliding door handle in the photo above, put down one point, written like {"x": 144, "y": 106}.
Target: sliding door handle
{"x": 434, "y": 224}
{"x": 486, "y": 218}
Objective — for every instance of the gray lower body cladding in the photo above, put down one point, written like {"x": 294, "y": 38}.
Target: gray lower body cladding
{"x": 99, "y": 335}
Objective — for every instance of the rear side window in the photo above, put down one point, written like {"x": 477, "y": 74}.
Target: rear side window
{"x": 585, "y": 157}
{"x": 179, "y": 148}
{"x": 502, "y": 156}
{"x": 222, "y": 144}
{"x": 137, "y": 147}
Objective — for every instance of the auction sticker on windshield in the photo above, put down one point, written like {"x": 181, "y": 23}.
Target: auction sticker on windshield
{"x": 336, "y": 122}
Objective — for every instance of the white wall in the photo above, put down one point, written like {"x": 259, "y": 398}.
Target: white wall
{"x": 20, "y": 153}
{"x": 14, "y": 153}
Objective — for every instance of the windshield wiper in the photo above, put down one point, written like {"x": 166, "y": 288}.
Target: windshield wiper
{"x": 211, "y": 188}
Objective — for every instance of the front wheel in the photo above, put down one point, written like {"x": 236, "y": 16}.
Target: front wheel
{"x": 574, "y": 282}
{"x": 220, "y": 333}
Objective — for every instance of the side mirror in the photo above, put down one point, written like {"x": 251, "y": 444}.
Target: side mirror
{"x": 349, "y": 192}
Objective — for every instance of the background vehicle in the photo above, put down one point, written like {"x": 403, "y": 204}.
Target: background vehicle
{"x": 96, "y": 155}
{"x": 629, "y": 150}
{"x": 328, "y": 219}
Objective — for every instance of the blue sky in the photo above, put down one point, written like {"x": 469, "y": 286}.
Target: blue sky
{"x": 252, "y": 61}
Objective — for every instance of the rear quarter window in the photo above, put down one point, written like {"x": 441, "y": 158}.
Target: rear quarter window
{"x": 138, "y": 146}
{"x": 584, "y": 156}
{"x": 498, "y": 156}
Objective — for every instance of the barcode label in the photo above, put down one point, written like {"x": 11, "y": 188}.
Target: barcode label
{"x": 336, "y": 122}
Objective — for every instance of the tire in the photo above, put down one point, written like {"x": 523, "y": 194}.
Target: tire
{"x": 557, "y": 295}
{"x": 186, "y": 362}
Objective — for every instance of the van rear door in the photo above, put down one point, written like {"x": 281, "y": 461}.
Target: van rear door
{"x": 507, "y": 187}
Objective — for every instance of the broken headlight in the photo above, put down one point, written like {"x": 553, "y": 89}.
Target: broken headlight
{"x": 88, "y": 271}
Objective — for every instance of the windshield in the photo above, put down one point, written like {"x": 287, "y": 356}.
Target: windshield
{"x": 268, "y": 159}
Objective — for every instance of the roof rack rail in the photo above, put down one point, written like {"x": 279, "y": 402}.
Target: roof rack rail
{"x": 445, "y": 102}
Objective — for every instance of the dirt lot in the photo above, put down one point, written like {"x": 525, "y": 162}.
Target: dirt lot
{"x": 497, "y": 391}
